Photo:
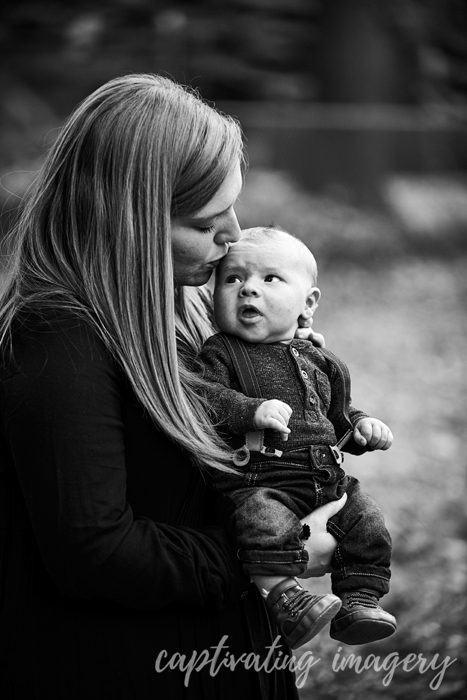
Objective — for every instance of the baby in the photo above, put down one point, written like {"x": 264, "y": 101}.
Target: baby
{"x": 286, "y": 435}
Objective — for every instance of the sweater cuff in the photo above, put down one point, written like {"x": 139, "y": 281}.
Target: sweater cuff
{"x": 357, "y": 416}
{"x": 241, "y": 420}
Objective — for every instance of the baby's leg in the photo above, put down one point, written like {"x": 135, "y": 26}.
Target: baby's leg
{"x": 265, "y": 584}
{"x": 363, "y": 555}
{"x": 269, "y": 535}
{"x": 361, "y": 575}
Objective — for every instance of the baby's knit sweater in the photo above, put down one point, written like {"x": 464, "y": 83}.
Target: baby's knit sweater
{"x": 298, "y": 374}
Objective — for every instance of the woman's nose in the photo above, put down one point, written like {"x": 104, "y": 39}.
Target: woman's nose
{"x": 231, "y": 231}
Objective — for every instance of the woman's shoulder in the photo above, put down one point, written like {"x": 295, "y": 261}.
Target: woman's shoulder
{"x": 53, "y": 339}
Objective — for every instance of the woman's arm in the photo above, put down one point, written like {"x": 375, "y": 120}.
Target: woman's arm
{"x": 64, "y": 426}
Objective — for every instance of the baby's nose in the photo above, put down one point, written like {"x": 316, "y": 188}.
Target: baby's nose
{"x": 248, "y": 289}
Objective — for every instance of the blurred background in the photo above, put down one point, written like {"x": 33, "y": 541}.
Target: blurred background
{"x": 355, "y": 116}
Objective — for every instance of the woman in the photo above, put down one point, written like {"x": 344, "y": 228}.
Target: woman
{"x": 111, "y": 558}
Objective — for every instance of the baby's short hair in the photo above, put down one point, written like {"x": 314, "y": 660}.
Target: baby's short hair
{"x": 266, "y": 232}
{"x": 270, "y": 232}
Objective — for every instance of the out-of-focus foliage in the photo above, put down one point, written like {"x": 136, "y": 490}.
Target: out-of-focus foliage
{"x": 295, "y": 52}
{"x": 242, "y": 49}
{"x": 425, "y": 216}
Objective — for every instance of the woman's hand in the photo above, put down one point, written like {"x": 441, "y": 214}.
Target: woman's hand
{"x": 306, "y": 332}
{"x": 321, "y": 544}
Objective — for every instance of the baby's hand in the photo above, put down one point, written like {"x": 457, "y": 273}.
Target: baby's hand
{"x": 275, "y": 415}
{"x": 373, "y": 432}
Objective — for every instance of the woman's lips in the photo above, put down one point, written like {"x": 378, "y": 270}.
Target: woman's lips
{"x": 214, "y": 263}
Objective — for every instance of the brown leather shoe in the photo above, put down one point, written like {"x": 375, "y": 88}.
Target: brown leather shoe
{"x": 361, "y": 620}
{"x": 298, "y": 614}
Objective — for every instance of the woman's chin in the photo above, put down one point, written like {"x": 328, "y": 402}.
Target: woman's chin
{"x": 196, "y": 279}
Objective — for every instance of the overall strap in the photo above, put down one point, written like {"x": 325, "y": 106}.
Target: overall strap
{"x": 254, "y": 440}
{"x": 242, "y": 363}
{"x": 345, "y": 403}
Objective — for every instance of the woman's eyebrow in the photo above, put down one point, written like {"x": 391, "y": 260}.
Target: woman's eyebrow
{"x": 207, "y": 217}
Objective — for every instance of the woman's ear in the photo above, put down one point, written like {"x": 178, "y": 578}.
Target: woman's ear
{"x": 311, "y": 303}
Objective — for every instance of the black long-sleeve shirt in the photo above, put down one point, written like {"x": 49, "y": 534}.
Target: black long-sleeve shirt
{"x": 102, "y": 562}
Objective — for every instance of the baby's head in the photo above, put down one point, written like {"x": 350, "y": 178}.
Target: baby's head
{"x": 264, "y": 284}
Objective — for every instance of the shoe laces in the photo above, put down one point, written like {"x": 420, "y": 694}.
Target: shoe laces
{"x": 294, "y": 604}
{"x": 361, "y": 599}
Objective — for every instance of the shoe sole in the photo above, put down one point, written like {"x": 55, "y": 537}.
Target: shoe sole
{"x": 311, "y": 631}
{"x": 364, "y": 632}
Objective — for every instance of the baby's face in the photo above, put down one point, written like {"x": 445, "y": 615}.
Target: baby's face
{"x": 261, "y": 290}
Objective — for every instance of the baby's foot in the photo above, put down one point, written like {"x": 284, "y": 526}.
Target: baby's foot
{"x": 361, "y": 620}
{"x": 298, "y": 614}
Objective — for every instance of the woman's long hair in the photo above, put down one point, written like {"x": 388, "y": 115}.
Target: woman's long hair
{"x": 94, "y": 238}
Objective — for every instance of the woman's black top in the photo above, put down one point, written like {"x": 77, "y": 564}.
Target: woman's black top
{"x": 109, "y": 556}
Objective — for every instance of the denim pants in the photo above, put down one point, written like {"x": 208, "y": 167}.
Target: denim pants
{"x": 273, "y": 494}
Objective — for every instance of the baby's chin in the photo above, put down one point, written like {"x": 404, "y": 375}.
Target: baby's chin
{"x": 247, "y": 334}
{"x": 253, "y": 335}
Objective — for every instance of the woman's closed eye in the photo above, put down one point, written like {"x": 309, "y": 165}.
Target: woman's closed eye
{"x": 206, "y": 229}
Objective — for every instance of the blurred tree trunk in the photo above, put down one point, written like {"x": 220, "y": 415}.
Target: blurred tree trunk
{"x": 360, "y": 59}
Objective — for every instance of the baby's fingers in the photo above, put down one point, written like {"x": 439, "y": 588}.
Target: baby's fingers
{"x": 285, "y": 412}
{"x": 385, "y": 441}
{"x": 273, "y": 415}
{"x": 375, "y": 437}
{"x": 277, "y": 424}
{"x": 362, "y": 433}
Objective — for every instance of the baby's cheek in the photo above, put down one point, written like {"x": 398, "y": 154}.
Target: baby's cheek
{"x": 280, "y": 305}
{"x": 226, "y": 317}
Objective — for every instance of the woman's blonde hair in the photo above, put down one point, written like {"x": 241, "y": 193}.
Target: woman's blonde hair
{"x": 94, "y": 238}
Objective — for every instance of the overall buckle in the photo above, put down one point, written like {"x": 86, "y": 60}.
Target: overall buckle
{"x": 271, "y": 452}
{"x": 337, "y": 454}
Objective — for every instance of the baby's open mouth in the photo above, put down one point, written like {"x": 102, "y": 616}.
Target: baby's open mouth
{"x": 249, "y": 312}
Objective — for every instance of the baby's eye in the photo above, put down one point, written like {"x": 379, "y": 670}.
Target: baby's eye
{"x": 231, "y": 279}
{"x": 272, "y": 278}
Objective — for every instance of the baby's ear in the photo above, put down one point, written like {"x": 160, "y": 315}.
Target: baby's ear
{"x": 311, "y": 303}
